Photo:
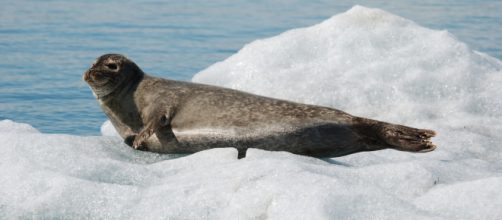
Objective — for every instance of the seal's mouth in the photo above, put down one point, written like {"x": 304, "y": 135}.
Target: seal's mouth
{"x": 102, "y": 83}
{"x": 96, "y": 78}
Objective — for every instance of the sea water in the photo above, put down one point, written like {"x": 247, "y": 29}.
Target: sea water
{"x": 367, "y": 61}
{"x": 45, "y": 46}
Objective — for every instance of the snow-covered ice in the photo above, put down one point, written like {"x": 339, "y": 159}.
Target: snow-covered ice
{"x": 365, "y": 61}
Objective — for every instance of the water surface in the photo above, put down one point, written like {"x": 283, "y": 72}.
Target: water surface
{"x": 47, "y": 45}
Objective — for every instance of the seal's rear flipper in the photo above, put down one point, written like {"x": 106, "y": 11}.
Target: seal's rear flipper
{"x": 406, "y": 138}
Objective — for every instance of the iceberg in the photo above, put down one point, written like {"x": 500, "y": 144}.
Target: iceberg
{"x": 365, "y": 61}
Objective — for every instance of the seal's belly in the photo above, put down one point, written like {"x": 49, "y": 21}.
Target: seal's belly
{"x": 228, "y": 135}
{"x": 192, "y": 139}
{"x": 285, "y": 137}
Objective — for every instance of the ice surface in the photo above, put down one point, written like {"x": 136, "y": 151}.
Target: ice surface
{"x": 365, "y": 61}
{"x": 8, "y": 126}
{"x": 107, "y": 129}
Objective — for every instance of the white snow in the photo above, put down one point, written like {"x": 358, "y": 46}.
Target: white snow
{"x": 365, "y": 61}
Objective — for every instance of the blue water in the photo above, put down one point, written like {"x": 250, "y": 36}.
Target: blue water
{"x": 47, "y": 45}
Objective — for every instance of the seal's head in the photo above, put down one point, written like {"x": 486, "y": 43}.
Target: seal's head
{"x": 111, "y": 72}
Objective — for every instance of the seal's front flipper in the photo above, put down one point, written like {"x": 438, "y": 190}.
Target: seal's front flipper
{"x": 129, "y": 140}
{"x": 406, "y": 138}
{"x": 151, "y": 127}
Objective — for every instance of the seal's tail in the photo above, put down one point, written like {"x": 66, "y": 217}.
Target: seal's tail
{"x": 406, "y": 138}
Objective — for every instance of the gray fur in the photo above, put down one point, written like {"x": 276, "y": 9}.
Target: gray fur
{"x": 168, "y": 116}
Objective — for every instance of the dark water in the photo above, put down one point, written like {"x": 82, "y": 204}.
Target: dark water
{"x": 47, "y": 45}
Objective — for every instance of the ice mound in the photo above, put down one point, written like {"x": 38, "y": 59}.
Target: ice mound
{"x": 375, "y": 64}
{"x": 50, "y": 176}
{"x": 368, "y": 62}
{"x": 8, "y": 126}
{"x": 365, "y": 61}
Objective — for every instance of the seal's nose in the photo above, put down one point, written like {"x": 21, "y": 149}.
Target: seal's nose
{"x": 91, "y": 74}
{"x": 87, "y": 76}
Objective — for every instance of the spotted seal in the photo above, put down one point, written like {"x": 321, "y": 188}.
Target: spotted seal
{"x": 168, "y": 116}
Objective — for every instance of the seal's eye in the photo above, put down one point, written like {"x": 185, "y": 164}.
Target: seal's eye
{"x": 111, "y": 66}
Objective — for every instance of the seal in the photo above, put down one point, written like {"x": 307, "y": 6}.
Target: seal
{"x": 168, "y": 116}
